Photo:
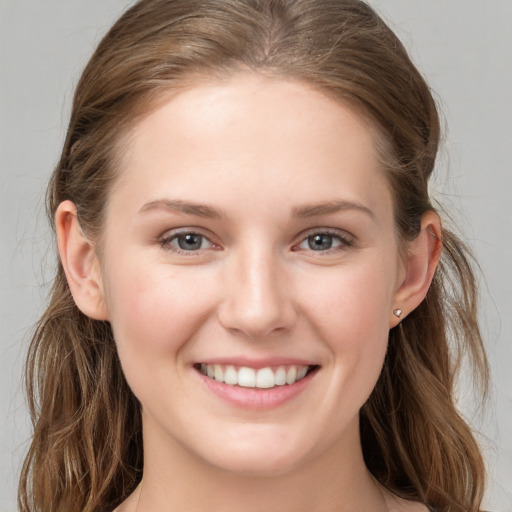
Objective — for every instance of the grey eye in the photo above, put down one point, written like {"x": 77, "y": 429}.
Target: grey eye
{"x": 320, "y": 242}
{"x": 190, "y": 241}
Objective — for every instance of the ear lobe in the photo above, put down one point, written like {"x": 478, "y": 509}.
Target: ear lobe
{"x": 422, "y": 258}
{"x": 80, "y": 262}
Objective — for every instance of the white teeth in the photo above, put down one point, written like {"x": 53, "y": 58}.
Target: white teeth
{"x": 263, "y": 378}
{"x": 280, "y": 377}
{"x": 246, "y": 377}
{"x": 301, "y": 372}
{"x": 218, "y": 373}
{"x": 291, "y": 375}
{"x": 230, "y": 376}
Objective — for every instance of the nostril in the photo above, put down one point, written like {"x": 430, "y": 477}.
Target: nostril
{"x": 255, "y": 324}
{"x": 257, "y": 318}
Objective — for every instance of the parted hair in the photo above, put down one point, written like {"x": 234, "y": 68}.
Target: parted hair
{"x": 86, "y": 453}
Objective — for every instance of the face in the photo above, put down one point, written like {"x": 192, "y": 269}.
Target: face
{"x": 250, "y": 266}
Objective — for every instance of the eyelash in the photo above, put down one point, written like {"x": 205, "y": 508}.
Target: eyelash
{"x": 166, "y": 242}
{"x": 345, "y": 242}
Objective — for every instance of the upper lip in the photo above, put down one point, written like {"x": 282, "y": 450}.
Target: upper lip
{"x": 258, "y": 363}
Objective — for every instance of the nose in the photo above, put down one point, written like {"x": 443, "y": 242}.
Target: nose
{"x": 258, "y": 298}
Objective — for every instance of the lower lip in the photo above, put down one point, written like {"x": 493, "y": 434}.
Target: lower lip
{"x": 254, "y": 398}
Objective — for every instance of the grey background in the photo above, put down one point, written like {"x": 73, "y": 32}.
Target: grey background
{"x": 464, "y": 47}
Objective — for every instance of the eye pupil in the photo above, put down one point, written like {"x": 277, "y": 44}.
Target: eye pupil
{"x": 190, "y": 241}
{"x": 320, "y": 242}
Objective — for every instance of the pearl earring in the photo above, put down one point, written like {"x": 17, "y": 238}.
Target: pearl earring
{"x": 397, "y": 313}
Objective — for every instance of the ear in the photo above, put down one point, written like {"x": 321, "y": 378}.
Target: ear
{"x": 421, "y": 261}
{"x": 80, "y": 262}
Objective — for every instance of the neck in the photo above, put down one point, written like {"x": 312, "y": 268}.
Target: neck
{"x": 334, "y": 481}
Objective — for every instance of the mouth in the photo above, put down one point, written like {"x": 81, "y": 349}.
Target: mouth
{"x": 261, "y": 378}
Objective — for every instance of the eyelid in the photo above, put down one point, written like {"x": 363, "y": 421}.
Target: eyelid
{"x": 346, "y": 238}
{"x": 172, "y": 234}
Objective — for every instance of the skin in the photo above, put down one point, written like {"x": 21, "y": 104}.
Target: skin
{"x": 260, "y": 153}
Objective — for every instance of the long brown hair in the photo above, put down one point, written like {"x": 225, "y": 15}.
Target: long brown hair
{"x": 86, "y": 453}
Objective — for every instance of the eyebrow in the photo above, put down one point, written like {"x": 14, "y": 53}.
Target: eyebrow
{"x": 177, "y": 205}
{"x": 326, "y": 207}
{"x": 205, "y": 211}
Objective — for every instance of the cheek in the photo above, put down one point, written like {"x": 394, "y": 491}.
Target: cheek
{"x": 153, "y": 316}
{"x": 359, "y": 298}
{"x": 351, "y": 312}
{"x": 154, "y": 313}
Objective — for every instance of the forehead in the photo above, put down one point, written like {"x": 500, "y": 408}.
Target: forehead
{"x": 265, "y": 139}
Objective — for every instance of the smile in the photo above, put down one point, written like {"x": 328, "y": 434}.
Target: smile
{"x": 262, "y": 378}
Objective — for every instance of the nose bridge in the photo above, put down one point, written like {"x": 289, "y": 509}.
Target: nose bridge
{"x": 257, "y": 299}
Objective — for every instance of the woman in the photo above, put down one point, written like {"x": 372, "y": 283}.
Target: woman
{"x": 255, "y": 294}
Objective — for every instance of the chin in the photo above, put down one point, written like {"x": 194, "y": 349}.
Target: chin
{"x": 258, "y": 466}
{"x": 268, "y": 458}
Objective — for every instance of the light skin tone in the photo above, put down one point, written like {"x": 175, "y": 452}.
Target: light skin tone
{"x": 251, "y": 225}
